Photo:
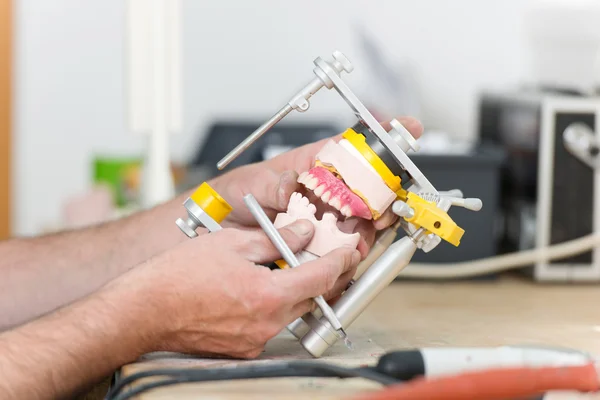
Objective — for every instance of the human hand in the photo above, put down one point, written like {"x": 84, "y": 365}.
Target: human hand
{"x": 273, "y": 181}
{"x": 212, "y": 296}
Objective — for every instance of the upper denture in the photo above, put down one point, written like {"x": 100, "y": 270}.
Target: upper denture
{"x": 358, "y": 176}
{"x": 334, "y": 192}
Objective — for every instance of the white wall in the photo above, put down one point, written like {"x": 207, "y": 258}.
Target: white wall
{"x": 242, "y": 58}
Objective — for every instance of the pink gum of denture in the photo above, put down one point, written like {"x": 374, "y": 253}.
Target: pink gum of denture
{"x": 358, "y": 174}
{"x": 334, "y": 192}
{"x": 327, "y": 236}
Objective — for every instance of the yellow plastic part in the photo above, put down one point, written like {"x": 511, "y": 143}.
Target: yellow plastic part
{"x": 282, "y": 264}
{"x": 434, "y": 220}
{"x": 211, "y": 202}
{"x": 360, "y": 143}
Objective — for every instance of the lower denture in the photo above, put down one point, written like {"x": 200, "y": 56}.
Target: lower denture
{"x": 329, "y": 233}
{"x": 335, "y": 193}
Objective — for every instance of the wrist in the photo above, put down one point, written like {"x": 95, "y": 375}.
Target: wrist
{"x": 83, "y": 343}
{"x": 140, "y": 309}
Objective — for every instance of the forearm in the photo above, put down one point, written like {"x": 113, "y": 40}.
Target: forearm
{"x": 41, "y": 274}
{"x": 65, "y": 353}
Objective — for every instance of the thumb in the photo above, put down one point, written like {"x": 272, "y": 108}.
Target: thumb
{"x": 273, "y": 190}
{"x": 316, "y": 278}
{"x": 258, "y": 248}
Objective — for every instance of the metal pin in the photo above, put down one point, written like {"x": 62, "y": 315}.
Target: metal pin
{"x": 288, "y": 255}
{"x": 254, "y": 136}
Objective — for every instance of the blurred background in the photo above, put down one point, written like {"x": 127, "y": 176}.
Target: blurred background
{"x": 474, "y": 72}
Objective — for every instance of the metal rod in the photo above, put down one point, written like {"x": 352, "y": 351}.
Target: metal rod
{"x": 287, "y": 254}
{"x": 358, "y": 297}
{"x": 254, "y": 136}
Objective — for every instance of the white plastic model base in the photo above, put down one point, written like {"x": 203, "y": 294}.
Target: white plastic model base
{"x": 327, "y": 236}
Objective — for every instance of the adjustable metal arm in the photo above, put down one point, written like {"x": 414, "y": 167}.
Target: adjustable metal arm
{"x": 357, "y": 298}
{"x": 299, "y": 102}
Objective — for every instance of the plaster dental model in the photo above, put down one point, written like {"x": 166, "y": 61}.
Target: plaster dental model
{"x": 344, "y": 180}
{"x": 327, "y": 236}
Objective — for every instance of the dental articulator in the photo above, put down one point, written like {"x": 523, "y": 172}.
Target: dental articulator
{"x": 365, "y": 173}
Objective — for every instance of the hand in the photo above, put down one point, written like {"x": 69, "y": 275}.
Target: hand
{"x": 211, "y": 296}
{"x": 273, "y": 181}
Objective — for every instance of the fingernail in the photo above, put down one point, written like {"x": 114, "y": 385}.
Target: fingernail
{"x": 356, "y": 257}
{"x": 301, "y": 228}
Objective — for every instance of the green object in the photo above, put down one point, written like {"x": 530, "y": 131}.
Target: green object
{"x": 121, "y": 175}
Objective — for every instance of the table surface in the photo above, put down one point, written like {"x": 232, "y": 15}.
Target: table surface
{"x": 508, "y": 311}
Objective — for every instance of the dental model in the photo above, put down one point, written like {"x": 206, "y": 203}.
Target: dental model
{"x": 327, "y": 236}
{"x": 344, "y": 180}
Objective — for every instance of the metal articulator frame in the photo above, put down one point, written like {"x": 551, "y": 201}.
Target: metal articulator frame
{"x": 315, "y": 332}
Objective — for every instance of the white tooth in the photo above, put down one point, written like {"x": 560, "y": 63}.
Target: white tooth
{"x": 326, "y": 196}
{"x": 319, "y": 191}
{"x": 307, "y": 177}
{"x": 329, "y": 219}
{"x": 302, "y": 177}
{"x": 335, "y": 203}
{"x": 311, "y": 183}
{"x": 346, "y": 211}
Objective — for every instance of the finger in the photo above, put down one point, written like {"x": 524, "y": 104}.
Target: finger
{"x": 317, "y": 277}
{"x": 387, "y": 218}
{"x": 367, "y": 236}
{"x": 288, "y": 184}
{"x": 366, "y": 230}
{"x": 340, "y": 285}
{"x": 256, "y": 246}
{"x": 412, "y": 125}
{"x": 363, "y": 248}
{"x": 305, "y": 306}
{"x": 333, "y": 300}
{"x": 301, "y": 158}
{"x": 272, "y": 190}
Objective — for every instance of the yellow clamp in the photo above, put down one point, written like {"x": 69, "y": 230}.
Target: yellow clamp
{"x": 211, "y": 202}
{"x": 360, "y": 143}
{"x": 282, "y": 264}
{"x": 434, "y": 220}
{"x": 217, "y": 208}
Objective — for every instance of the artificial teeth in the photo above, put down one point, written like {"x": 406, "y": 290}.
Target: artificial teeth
{"x": 303, "y": 200}
{"x": 335, "y": 203}
{"x": 319, "y": 190}
{"x": 346, "y": 211}
{"x": 326, "y": 196}
{"x": 311, "y": 182}
{"x": 302, "y": 177}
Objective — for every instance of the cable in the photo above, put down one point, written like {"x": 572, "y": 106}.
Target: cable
{"x": 502, "y": 262}
{"x": 494, "y": 384}
{"x": 147, "y": 387}
{"x": 534, "y": 377}
{"x": 275, "y": 370}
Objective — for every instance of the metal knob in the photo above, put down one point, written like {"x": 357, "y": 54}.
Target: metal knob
{"x": 341, "y": 62}
{"x": 406, "y": 141}
{"x": 581, "y": 141}
{"x": 402, "y": 209}
{"x": 188, "y": 226}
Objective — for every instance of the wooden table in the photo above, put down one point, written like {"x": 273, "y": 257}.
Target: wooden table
{"x": 509, "y": 311}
